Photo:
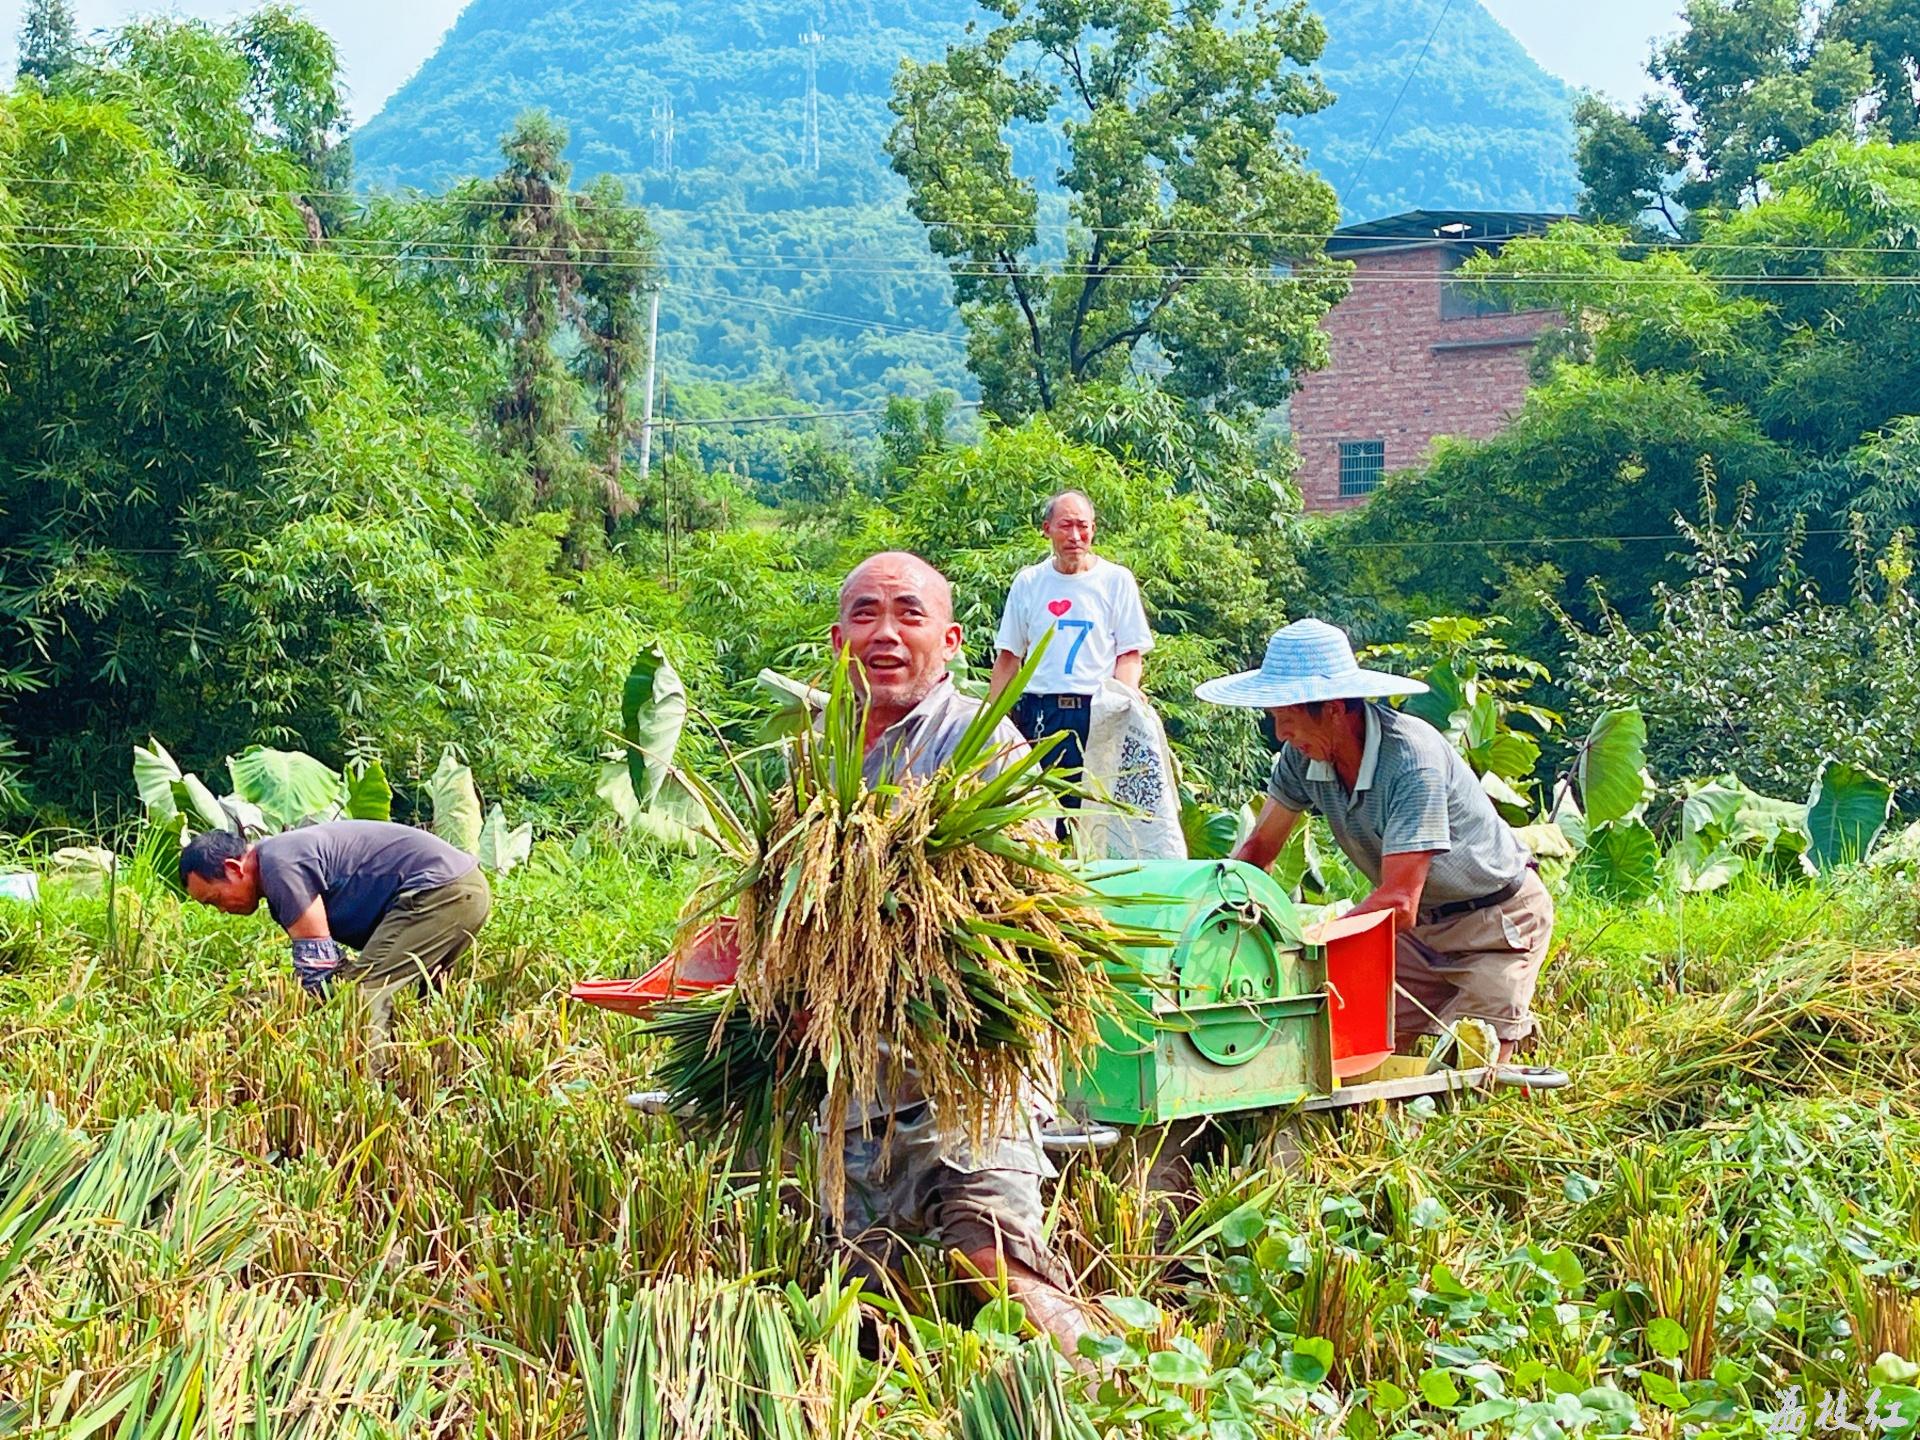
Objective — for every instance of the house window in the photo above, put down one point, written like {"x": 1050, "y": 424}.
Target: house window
{"x": 1362, "y": 462}
{"x": 1459, "y": 301}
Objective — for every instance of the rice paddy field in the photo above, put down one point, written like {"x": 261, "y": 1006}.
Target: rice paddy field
{"x": 214, "y": 1220}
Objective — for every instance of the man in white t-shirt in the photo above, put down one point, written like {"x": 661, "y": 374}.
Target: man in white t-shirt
{"x": 1092, "y": 607}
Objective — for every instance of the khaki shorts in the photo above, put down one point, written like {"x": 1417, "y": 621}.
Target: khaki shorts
{"x": 915, "y": 1186}
{"x": 1483, "y": 964}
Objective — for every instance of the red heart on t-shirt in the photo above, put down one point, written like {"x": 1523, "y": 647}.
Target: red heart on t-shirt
{"x": 1059, "y": 607}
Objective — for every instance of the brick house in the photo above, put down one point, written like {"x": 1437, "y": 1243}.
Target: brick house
{"x": 1413, "y": 356}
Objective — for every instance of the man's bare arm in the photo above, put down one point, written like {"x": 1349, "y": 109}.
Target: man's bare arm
{"x": 1006, "y": 665}
{"x": 310, "y": 923}
{"x": 1269, "y": 836}
{"x": 1402, "y": 879}
{"x": 1127, "y": 668}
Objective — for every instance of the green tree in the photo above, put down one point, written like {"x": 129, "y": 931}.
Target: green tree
{"x": 49, "y": 44}
{"x": 1745, "y": 84}
{"x": 218, "y": 526}
{"x": 295, "y": 98}
{"x": 617, "y": 272}
{"x": 1184, "y": 198}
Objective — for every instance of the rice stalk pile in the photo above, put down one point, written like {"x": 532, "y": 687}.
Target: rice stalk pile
{"x": 916, "y": 938}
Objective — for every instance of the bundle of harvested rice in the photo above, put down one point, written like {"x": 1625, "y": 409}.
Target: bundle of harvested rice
{"x": 926, "y": 929}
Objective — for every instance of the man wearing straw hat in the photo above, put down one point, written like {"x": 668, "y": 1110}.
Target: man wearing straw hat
{"x": 1472, "y": 919}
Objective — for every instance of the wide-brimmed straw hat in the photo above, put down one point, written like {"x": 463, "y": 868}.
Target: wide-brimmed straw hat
{"x": 1309, "y": 660}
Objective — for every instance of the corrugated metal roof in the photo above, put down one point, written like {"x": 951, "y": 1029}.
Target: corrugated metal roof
{"x": 1424, "y": 227}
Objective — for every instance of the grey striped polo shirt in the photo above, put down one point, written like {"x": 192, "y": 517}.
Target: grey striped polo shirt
{"x": 1413, "y": 793}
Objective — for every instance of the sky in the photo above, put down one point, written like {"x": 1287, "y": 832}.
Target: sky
{"x": 382, "y": 42}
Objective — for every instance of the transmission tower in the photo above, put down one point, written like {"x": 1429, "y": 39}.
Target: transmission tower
{"x": 663, "y": 134}
{"x": 810, "y": 145}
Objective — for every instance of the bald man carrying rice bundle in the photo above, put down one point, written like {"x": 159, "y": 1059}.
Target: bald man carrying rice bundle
{"x": 896, "y": 619}
{"x": 910, "y": 1170}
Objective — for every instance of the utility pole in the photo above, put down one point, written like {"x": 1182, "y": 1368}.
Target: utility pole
{"x": 646, "y": 403}
{"x": 666, "y": 492}
{"x": 810, "y": 145}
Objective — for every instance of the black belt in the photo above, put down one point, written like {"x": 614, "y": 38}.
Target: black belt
{"x": 1063, "y": 702}
{"x": 1485, "y": 902}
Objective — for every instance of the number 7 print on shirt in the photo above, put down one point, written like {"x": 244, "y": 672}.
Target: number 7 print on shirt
{"x": 1081, "y": 629}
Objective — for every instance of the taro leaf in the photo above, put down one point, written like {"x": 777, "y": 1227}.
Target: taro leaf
{"x": 1512, "y": 756}
{"x": 502, "y": 849}
{"x": 1545, "y": 841}
{"x": 1846, "y": 812}
{"x": 795, "y": 704}
{"x": 154, "y": 776}
{"x": 1445, "y": 695}
{"x": 1621, "y": 860}
{"x": 1610, "y": 765}
{"x": 1211, "y": 832}
{"x": 1700, "y": 867}
{"x": 1712, "y": 805}
{"x": 675, "y": 819}
{"x": 1482, "y": 725}
{"x": 616, "y": 788}
{"x": 1567, "y": 815}
{"x": 369, "y": 796}
{"x": 1503, "y": 795}
{"x": 456, "y": 804}
{"x": 1298, "y": 862}
{"x": 288, "y": 786}
{"x": 653, "y": 710}
{"x": 200, "y": 805}
{"x": 245, "y": 816}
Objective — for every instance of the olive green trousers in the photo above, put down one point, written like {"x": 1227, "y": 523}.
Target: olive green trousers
{"x": 416, "y": 943}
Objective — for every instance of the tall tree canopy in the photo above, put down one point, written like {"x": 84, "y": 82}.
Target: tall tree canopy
{"x": 1185, "y": 197}
{"x": 48, "y": 42}
{"x": 1748, "y": 83}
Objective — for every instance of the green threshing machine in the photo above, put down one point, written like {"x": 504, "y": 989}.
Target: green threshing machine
{"x": 1249, "y": 1010}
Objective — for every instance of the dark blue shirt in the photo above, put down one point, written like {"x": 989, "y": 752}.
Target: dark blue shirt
{"x": 357, "y": 867}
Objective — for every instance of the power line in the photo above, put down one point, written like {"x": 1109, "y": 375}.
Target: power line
{"x": 721, "y": 297}
{"x": 1491, "y": 541}
{"x": 727, "y": 421}
{"x": 1394, "y": 108}
{"x": 256, "y": 247}
{"x": 1147, "y": 231}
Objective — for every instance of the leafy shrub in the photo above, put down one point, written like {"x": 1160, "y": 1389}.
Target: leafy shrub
{"x": 1766, "y": 686}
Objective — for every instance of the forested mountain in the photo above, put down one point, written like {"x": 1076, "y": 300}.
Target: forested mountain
{"x": 702, "y": 111}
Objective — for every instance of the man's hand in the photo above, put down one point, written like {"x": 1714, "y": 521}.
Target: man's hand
{"x": 315, "y": 961}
